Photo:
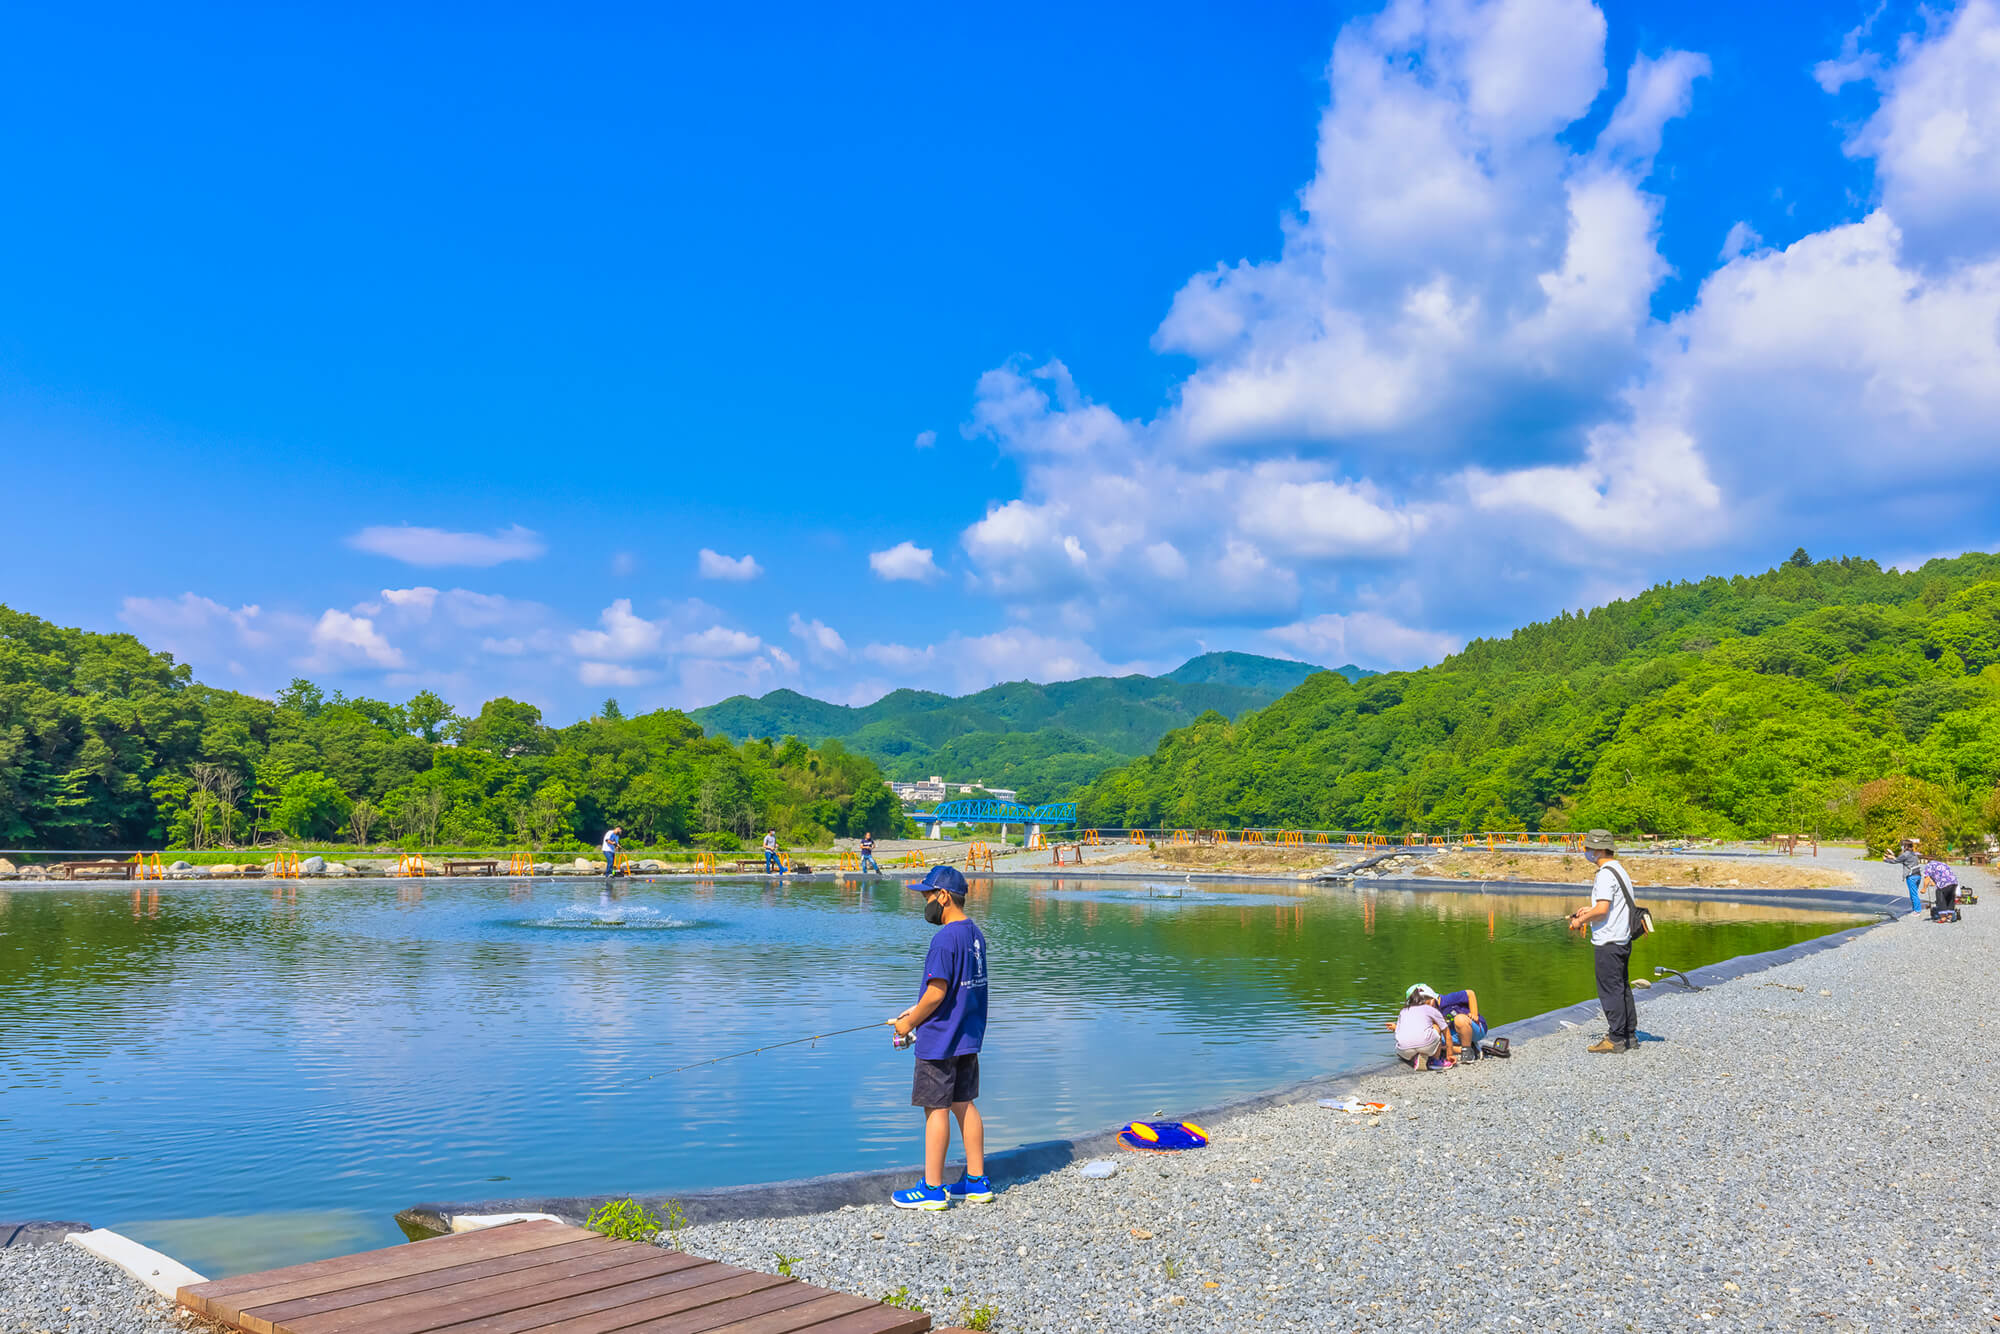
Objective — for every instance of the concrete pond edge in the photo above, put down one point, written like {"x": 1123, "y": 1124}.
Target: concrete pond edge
{"x": 827, "y": 1194}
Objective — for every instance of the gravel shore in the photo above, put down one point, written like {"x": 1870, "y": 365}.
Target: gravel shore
{"x": 1807, "y": 1147}
{"x": 59, "y": 1289}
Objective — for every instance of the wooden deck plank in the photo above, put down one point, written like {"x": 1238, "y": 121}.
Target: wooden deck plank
{"x": 564, "y": 1315}
{"x": 388, "y": 1262}
{"x": 877, "y": 1319}
{"x": 442, "y": 1307}
{"x": 777, "y": 1301}
{"x": 523, "y": 1268}
{"x": 741, "y": 1318}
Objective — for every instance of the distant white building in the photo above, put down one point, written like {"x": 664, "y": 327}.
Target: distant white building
{"x": 935, "y": 789}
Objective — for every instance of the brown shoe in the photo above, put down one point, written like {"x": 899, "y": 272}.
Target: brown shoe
{"x": 1603, "y": 1045}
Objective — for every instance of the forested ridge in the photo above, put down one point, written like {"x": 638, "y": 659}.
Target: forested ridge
{"x": 1042, "y": 739}
{"x": 105, "y": 744}
{"x": 1828, "y": 695}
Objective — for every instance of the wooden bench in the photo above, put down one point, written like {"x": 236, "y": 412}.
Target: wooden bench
{"x": 539, "y": 1275}
{"x": 472, "y": 868}
{"x": 98, "y": 870}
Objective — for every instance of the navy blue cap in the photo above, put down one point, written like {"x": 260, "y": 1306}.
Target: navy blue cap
{"x": 945, "y": 878}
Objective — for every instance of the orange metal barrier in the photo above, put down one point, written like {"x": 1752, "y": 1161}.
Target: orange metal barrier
{"x": 704, "y": 863}
{"x": 285, "y": 866}
{"x": 978, "y": 855}
{"x": 148, "y": 870}
{"x": 520, "y": 863}
{"x": 1253, "y": 836}
{"x": 1291, "y": 838}
{"x": 1182, "y": 837}
{"x": 408, "y": 865}
{"x": 1090, "y": 837}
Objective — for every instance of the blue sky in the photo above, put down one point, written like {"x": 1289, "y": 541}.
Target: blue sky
{"x": 436, "y": 351}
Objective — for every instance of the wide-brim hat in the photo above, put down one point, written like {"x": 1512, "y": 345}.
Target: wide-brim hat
{"x": 1599, "y": 840}
{"x": 946, "y": 878}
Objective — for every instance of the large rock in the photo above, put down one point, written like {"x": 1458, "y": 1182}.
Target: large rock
{"x": 181, "y": 866}
{"x": 545, "y": 868}
{"x": 586, "y": 863}
{"x": 651, "y": 865}
{"x": 313, "y": 866}
{"x": 337, "y": 868}
{"x": 6, "y": 867}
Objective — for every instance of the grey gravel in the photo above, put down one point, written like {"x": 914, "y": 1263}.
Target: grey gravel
{"x": 61, "y": 1289}
{"x": 1807, "y": 1147}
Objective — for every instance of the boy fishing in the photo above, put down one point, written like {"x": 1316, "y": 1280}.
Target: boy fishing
{"x": 949, "y": 1021}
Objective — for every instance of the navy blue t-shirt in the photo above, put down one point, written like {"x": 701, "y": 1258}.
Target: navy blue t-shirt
{"x": 1456, "y": 1003}
{"x": 958, "y": 1025}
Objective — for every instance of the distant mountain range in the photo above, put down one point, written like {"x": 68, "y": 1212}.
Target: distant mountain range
{"x": 1042, "y": 740}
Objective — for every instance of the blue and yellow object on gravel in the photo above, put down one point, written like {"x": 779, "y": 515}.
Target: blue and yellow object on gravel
{"x": 1162, "y": 1136}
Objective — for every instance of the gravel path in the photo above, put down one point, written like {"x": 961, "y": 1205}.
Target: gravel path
{"x": 1807, "y": 1147}
{"x": 60, "y": 1289}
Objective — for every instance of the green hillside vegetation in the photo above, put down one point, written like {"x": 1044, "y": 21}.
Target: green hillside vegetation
{"x": 1832, "y": 696}
{"x": 1042, "y": 740}
{"x": 104, "y": 744}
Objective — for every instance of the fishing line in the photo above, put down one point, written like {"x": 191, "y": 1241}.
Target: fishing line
{"x": 750, "y": 1051}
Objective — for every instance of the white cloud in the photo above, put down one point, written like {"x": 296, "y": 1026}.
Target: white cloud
{"x": 900, "y": 657}
{"x": 510, "y": 647}
{"x": 416, "y": 602}
{"x": 436, "y": 546}
{"x": 782, "y": 658}
{"x": 192, "y": 612}
{"x": 1935, "y": 137}
{"x": 344, "y": 639}
{"x": 610, "y": 674}
{"x": 1742, "y": 238}
{"x": 823, "y": 643}
{"x": 925, "y": 439}
{"x": 719, "y": 642}
{"x": 1367, "y": 638}
{"x": 624, "y": 636}
{"x": 1656, "y": 91}
{"x": 905, "y": 560}
{"x": 736, "y": 569}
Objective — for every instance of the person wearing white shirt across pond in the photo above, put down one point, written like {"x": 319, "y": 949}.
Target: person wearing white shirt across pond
{"x": 1609, "y": 917}
{"x": 609, "y": 847}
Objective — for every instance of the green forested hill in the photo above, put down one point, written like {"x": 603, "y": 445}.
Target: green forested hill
{"x": 106, "y": 745}
{"x": 1040, "y": 739}
{"x": 1728, "y": 706}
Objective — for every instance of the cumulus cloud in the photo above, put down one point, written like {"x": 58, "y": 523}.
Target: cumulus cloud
{"x": 1451, "y": 384}
{"x": 191, "y": 612}
{"x": 905, "y": 560}
{"x": 343, "y": 639}
{"x": 823, "y": 643}
{"x": 719, "y": 642}
{"x": 610, "y": 674}
{"x": 625, "y": 634}
{"x": 735, "y": 569}
{"x": 925, "y": 439}
{"x": 1368, "y": 638}
{"x": 436, "y": 546}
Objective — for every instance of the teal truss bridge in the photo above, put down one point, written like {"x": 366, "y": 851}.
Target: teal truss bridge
{"x": 986, "y": 810}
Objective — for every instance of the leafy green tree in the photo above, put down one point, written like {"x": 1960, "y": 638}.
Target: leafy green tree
{"x": 507, "y": 728}
{"x": 610, "y": 711}
{"x": 311, "y": 805}
{"x": 428, "y": 715}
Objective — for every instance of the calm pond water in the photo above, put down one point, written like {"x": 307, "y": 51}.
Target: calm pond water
{"x": 246, "y": 1074}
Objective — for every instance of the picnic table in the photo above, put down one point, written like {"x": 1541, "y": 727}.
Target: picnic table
{"x": 474, "y": 867}
{"x": 106, "y": 870}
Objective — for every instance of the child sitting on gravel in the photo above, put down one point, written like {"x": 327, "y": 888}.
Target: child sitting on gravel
{"x": 1421, "y": 1032}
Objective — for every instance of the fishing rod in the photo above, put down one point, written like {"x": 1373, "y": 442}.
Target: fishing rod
{"x": 1535, "y": 929}
{"x": 750, "y": 1051}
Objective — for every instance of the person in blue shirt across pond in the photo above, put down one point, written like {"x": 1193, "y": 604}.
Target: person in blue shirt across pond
{"x": 949, "y": 1021}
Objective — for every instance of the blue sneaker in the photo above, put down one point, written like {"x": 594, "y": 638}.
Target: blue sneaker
{"x": 921, "y": 1196}
{"x": 970, "y": 1190}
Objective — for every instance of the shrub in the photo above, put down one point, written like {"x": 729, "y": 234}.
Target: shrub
{"x": 720, "y": 841}
{"x": 629, "y": 1220}
{"x": 1893, "y": 809}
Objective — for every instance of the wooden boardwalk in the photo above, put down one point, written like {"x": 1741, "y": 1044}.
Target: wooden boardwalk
{"x": 534, "y": 1276}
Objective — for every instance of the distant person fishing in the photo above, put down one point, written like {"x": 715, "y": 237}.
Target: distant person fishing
{"x": 868, "y": 862}
{"x": 609, "y": 847}
{"x": 1912, "y": 862}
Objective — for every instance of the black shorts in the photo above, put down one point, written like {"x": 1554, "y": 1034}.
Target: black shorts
{"x": 942, "y": 1083}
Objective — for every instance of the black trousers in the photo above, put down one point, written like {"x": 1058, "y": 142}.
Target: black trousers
{"x": 1614, "y": 990}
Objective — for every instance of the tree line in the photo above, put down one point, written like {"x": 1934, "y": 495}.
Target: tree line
{"x": 1827, "y": 696}
{"x": 105, "y": 744}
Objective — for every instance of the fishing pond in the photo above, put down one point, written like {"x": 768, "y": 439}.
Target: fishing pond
{"x": 248, "y": 1074}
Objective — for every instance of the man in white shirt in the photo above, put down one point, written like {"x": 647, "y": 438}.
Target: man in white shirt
{"x": 771, "y": 862}
{"x": 1609, "y": 917}
{"x": 609, "y": 847}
